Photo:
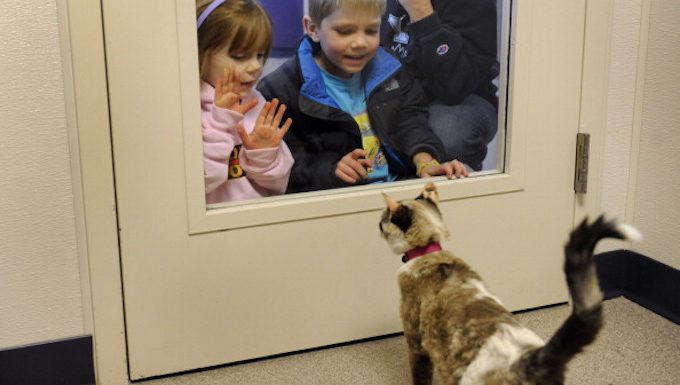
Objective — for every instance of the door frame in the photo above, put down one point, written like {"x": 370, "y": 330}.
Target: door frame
{"x": 87, "y": 111}
{"x": 89, "y": 129}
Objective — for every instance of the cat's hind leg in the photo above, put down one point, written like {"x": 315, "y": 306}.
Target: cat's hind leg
{"x": 419, "y": 359}
{"x": 421, "y": 364}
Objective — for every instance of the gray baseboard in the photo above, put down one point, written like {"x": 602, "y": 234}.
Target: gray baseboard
{"x": 63, "y": 362}
{"x": 642, "y": 280}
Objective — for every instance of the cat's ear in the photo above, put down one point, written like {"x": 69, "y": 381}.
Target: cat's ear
{"x": 392, "y": 205}
{"x": 430, "y": 193}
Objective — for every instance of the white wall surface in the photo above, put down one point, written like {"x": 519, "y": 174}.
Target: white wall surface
{"x": 40, "y": 291}
{"x": 40, "y": 284}
{"x": 624, "y": 47}
{"x": 657, "y": 187}
{"x": 640, "y": 181}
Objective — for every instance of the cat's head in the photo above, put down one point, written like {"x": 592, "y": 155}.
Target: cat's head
{"x": 413, "y": 223}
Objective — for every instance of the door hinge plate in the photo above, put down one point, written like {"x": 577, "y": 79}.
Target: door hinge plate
{"x": 581, "y": 173}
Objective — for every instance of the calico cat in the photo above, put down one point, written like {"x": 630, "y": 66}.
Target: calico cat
{"x": 454, "y": 324}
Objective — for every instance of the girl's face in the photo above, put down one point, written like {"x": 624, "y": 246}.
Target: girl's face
{"x": 349, "y": 39}
{"x": 248, "y": 63}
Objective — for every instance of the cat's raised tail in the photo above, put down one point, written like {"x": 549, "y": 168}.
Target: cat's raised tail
{"x": 585, "y": 321}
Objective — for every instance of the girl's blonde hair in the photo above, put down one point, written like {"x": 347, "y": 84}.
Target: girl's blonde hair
{"x": 320, "y": 9}
{"x": 241, "y": 25}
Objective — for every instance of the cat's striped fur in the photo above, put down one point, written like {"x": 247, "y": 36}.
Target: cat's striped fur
{"x": 454, "y": 324}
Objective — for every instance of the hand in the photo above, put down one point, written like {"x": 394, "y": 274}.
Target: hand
{"x": 228, "y": 92}
{"x": 353, "y": 166}
{"x": 417, "y": 9}
{"x": 267, "y": 132}
{"x": 450, "y": 169}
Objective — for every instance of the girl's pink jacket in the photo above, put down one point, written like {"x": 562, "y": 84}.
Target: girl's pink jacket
{"x": 231, "y": 171}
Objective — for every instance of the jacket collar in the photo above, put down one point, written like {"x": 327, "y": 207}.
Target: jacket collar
{"x": 380, "y": 68}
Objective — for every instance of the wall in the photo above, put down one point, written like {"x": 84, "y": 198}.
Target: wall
{"x": 40, "y": 284}
{"x": 624, "y": 47}
{"x": 657, "y": 187}
{"x": 639, "y": 175}
{"x": 40, "y": 291}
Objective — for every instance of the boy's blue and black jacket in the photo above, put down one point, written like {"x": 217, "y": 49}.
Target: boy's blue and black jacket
{"x": 322, "y": 133}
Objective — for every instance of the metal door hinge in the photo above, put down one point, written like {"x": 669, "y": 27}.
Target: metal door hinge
{"x": 581, "y": 174}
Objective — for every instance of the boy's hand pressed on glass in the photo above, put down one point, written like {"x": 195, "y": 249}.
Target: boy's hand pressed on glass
{"x": 267, "y": 132}
{"x": 353, "y": 166}
{"x": 450, "y": 169}
{"x": 426, "y": 167}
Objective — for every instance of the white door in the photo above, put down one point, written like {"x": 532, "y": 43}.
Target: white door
{"x": 207, "y": 287}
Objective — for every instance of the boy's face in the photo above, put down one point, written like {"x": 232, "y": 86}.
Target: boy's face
{"x": 349, "y": 39}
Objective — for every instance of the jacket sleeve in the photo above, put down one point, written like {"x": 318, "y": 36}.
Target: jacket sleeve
{"x": 456, "y": 48}
{"x": 219, "y": 138}
{"x": 412, "y": 133}
{"x": 268, "y": 168}
{"x": 314, "y": 169}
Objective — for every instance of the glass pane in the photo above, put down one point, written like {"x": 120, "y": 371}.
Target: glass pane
{"x": 372, "y": 95}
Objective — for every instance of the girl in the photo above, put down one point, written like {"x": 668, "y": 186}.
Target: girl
{"x": 244, "y": 155}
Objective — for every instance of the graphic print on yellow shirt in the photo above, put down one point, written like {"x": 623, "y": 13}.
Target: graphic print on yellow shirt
{"x": 235, "y": 169}
{"x": 374, "y": 153}
{"x": 350, "y": 97}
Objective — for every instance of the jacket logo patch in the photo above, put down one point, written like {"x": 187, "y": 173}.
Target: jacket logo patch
{"x": 392, "y": 85}
{"x": 442, "y": 49}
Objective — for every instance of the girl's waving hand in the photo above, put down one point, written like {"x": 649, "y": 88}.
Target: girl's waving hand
{"x": 267, "y": 132}
{"x": 228, "y": 91}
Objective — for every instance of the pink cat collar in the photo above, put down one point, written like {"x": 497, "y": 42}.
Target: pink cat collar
{"x": 420, "y": 251}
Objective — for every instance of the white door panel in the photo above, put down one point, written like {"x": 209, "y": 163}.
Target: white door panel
{"x": 204, "y": 288}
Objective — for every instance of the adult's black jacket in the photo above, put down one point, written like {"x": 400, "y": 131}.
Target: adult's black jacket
{"x": 452, "y": 52}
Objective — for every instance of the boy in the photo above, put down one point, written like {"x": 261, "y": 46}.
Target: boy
{"x": 358, "y": 117}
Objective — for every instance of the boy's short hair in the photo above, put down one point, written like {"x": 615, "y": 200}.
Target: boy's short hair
{"x": 320, "y": 9}
{"x": 243, "y": 24}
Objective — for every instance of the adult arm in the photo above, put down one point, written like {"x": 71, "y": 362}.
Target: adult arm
{"x": 455, "y": 47}
{"x": 412, "y": 133}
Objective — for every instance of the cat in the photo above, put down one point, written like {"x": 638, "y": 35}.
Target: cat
{"x": 452, "y": 322}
